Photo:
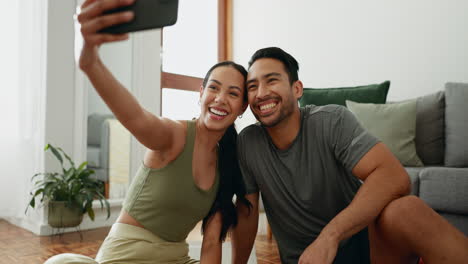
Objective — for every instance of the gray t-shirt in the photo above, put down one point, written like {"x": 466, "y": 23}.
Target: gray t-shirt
{"x": 308, "y": 184}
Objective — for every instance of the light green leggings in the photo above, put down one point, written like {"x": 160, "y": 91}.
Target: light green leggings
{"x": 131, "y": 244}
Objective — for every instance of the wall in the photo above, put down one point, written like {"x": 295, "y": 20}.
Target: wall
{"x": 418, "y": 45}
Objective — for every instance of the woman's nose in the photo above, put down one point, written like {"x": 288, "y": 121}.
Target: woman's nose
{"x": 220, "y": 98}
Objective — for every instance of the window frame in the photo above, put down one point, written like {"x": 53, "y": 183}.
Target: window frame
{"x": 189, "y": 83}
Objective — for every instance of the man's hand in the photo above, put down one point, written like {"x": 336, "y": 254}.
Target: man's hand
{"x": 321, "y": 251}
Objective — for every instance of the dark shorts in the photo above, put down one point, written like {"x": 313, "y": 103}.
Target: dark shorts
{"x": 356, "y": 250}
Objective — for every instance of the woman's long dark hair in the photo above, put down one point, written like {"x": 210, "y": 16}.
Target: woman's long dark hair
{"x": 230, "y": 176}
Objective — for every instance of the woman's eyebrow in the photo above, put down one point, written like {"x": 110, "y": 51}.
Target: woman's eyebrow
{"x": 216, "y": 81}
{"x": 235, "y": 87}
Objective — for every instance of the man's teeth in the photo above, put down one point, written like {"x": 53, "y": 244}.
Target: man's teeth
{"x": 217, "y": 112}
{"x": 267, "y": 106}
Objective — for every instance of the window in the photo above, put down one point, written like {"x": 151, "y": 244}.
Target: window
{"x": 199, "y": 39}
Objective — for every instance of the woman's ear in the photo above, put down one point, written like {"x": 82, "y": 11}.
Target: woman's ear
{"x": 201, "y": 91}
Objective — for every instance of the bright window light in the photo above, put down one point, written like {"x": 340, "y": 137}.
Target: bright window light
{"x": 180, "y": 104}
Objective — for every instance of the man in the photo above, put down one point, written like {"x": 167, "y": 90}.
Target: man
{"x": 332, "y": 192}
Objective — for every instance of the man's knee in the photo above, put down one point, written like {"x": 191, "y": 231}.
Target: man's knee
{"x": 401, "y": 210}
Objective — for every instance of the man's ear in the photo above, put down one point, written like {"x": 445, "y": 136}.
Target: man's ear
{"x": 298, "y": 89}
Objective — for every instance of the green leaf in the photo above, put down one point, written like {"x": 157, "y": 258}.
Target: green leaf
{"x": 32, "y": 203}
{"x": 55, "y": 152}
{"x": 82, "y": 166}
{"x": 89, "y": 209}
{"x": 69, "y": 174}
{"x": 39, "y": 191}
{"x": 35, "y": 175}
{"x": 67, "y": 157}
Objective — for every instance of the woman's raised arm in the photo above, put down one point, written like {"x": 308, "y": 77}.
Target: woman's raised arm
{"x": 154, "y": 132}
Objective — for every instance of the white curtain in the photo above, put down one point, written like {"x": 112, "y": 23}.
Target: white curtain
{"x": 22, "y": 105}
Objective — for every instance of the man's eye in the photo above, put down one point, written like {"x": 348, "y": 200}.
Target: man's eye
{"x": 271, "y": 80}
{"x": 234, "y": 94}
{"x": 251, "y": 87}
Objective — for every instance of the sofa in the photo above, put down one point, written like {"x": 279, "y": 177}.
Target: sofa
{"x": 443, "y": 180}
{"x": 438, "y": 162}
{"x": 98, "y": 147}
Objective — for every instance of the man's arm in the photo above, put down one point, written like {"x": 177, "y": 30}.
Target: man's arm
{"x": 384, "y": 181}
{"x": 243, "y": 235}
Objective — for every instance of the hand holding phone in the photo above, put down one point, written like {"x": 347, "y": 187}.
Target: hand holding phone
{"x": 149, "y": 14}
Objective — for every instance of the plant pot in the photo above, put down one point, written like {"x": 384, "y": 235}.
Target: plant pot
{"x": 61, "y": 215}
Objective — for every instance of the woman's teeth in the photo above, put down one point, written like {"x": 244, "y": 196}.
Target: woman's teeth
{"x": 217, "y": 112}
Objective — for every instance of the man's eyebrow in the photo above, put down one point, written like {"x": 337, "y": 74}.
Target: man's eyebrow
{"x": 251, "y": 81}
{"x": 265, "y": 76}
{"x": 271, "y": 74}
{"x": 216, "y": 81}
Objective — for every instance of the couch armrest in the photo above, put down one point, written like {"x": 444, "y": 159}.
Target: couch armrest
{"x": 104, "y": 153}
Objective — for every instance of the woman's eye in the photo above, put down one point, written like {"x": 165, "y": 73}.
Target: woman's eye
{"x": 212, "y": 87}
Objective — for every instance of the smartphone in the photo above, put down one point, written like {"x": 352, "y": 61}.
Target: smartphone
{"x": 148, "y": 14}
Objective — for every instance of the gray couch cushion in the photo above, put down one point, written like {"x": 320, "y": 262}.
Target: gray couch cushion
{"x": 430, "y": 128}
{"x": 445, "y": 189}
{"x": 413, "y": 173}
{"x": 95, "y": 122}
{"x": 456, "y": 124}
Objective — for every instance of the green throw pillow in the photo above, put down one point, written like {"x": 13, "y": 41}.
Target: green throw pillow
{"x": 394, "y": 124}
{"x": 373, "y": 93}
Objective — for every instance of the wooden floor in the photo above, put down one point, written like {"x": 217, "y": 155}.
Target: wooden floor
{"x": 20, "y": 246}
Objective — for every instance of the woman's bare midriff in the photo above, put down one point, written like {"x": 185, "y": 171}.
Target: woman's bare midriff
{"x": 125, "y": 218}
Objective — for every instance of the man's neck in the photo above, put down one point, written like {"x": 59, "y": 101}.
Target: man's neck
{"x": 284, "y": 133}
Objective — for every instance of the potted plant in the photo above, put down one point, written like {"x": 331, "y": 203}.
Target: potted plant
{"x": 69, "y": 194}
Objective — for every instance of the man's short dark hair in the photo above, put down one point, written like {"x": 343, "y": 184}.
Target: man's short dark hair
{"x": 290, "y": 64}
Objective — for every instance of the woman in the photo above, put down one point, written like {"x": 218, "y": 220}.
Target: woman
{"x": 190, "y": 171}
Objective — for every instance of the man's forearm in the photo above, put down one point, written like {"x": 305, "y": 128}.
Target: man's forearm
{"x": 381, "y": 187}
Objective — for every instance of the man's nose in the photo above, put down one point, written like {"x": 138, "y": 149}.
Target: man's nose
{"x": 262, "y": 91}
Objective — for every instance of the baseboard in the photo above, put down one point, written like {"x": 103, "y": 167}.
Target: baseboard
{"x": 34, "y": 227}
{"x": 41, "y": 228}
